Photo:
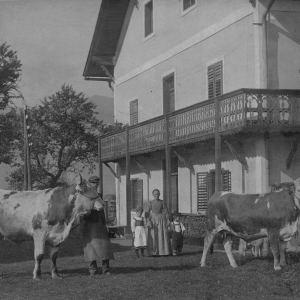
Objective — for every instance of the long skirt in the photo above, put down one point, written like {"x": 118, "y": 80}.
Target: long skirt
{"x": 140, "y": 240}
{"x": 97, "y": 245}
{"x": 158, "y": 242}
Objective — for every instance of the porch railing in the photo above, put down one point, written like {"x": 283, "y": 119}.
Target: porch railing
{"x": 241, "y": 110}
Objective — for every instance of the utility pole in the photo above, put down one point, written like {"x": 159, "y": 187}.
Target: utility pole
{"x": 27, "y": 143}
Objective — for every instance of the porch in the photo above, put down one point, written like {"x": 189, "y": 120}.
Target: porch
{"x": 241, "y": 111}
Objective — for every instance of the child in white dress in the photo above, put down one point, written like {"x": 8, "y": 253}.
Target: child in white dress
{"x": 139, "y": 232}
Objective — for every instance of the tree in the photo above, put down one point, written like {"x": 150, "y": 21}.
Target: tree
{"x": 10, "y": 72}
{"x": 64, "y": 132}
{"x": 10, "y": 134}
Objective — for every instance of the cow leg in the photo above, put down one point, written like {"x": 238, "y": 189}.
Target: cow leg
{"x": 227, "y": 242}
{"x": 242, "y": 247}
{"x": 282, "y": 247}
{"x": 39, "y": 238}
{"x": 265, "y": 247}
{"x": 53, "y": 258}
{"x": 208, "y": 241}
{"x": 255, "y": 251}
{"x": 274, "y": 243}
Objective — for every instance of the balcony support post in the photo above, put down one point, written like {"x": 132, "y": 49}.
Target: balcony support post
{"x": 128, "y": 186}
{"x": 218, "y": 141}
{"x": 168, "y": 166}
{"x": 100, "y": 187}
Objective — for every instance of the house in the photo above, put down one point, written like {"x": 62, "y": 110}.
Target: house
{"x": 210, "y": 91}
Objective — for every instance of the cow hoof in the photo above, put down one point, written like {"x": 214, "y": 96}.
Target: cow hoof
{"x": 278, "y": 268}
{"x": 56, "y": 276}
{"x": 37, "y": 278}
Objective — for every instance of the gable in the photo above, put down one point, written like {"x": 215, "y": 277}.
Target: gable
{"x": 107, "y": 39}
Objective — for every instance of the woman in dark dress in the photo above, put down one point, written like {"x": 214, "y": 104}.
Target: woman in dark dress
{"x": 158, "y": 242}
{"x": 97, "y": 245}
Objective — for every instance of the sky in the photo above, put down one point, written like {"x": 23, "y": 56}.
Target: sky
{"x": 52, "y": 39}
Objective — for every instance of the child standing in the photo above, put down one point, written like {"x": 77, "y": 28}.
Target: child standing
{"x": 139, "y": 232}
{"x": 177, "y": 230}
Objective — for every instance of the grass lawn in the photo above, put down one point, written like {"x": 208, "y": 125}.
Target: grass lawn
{"x": 145, "y": 278}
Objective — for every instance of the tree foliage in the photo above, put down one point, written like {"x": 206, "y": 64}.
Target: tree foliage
{"x": 64, "y": 131}
{"x": 10, "y": 72}
{"x": 10, "y": 134}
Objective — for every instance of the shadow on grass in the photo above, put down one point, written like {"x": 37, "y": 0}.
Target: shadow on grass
{"x": 11, "y": 253}
{"x": 125, "y": 270}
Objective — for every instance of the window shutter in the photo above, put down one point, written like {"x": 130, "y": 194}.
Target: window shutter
{"x": 140, "y": 192}
{"x": 210, "y": 75}
{"x": 134, "y": 112}
{"x": 215, "y": 80}
{"x": 202, "y": 190}
{"x": 226, "y": 180}
{"x": 218, "y": 79}
{"x": 136, "y": 193}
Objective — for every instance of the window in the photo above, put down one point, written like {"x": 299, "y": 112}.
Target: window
{"x": 168, "y": 93}
{"x": 206, "y": 186}
{"x": 133, "y": 112}
{"x": 188, "y": 3}
{"x": 215, "y": 80}
{"x": 136, "y": 193}
{"x": 148, "y": 18}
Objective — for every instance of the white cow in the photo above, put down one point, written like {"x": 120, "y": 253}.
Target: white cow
{"x": 47, "y": 215}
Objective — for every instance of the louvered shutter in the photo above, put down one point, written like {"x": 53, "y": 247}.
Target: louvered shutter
{"x": 215, "y": 80}
{"x": 218, "y": 79}
{"x": 134, "y": 112}
{"x": 202, "y": 190}
{"x": 226, "y": 180}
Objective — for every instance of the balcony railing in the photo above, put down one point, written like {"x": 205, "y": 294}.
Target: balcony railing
{"x": 241, "y": 110}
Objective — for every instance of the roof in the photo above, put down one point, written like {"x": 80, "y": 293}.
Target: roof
{"x": 110, "y": 30}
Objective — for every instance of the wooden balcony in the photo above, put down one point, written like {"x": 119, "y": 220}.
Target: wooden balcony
{"x": 241, "y": 110}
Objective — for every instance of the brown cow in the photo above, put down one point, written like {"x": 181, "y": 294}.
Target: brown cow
{"x": 244, "y": 215}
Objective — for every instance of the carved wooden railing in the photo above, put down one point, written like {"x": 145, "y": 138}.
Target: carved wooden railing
{"x": 241, "y": 110}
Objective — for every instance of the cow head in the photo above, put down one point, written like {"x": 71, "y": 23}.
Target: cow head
{"x": 87, "y": 197}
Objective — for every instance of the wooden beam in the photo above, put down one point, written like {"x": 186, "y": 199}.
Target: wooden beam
{"x": 113, "y": 172}
{"x": 218, "y": 175}
{"x": 107, "y": 73}
{"x": 142, "y": 168}
{"x": 110, "y": 86}
{"x": 168, "y": 165}
{"x": 128, "y": 186}
{"x": 104, "y": 60}
{"x": 185, "y": 162}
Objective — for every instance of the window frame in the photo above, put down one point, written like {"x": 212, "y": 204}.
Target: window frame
{"x": 138, "y": 181}
{"x": 186, "y": 11}
{"x": 150, "y": 35}
{"x": 165, "y": 76}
